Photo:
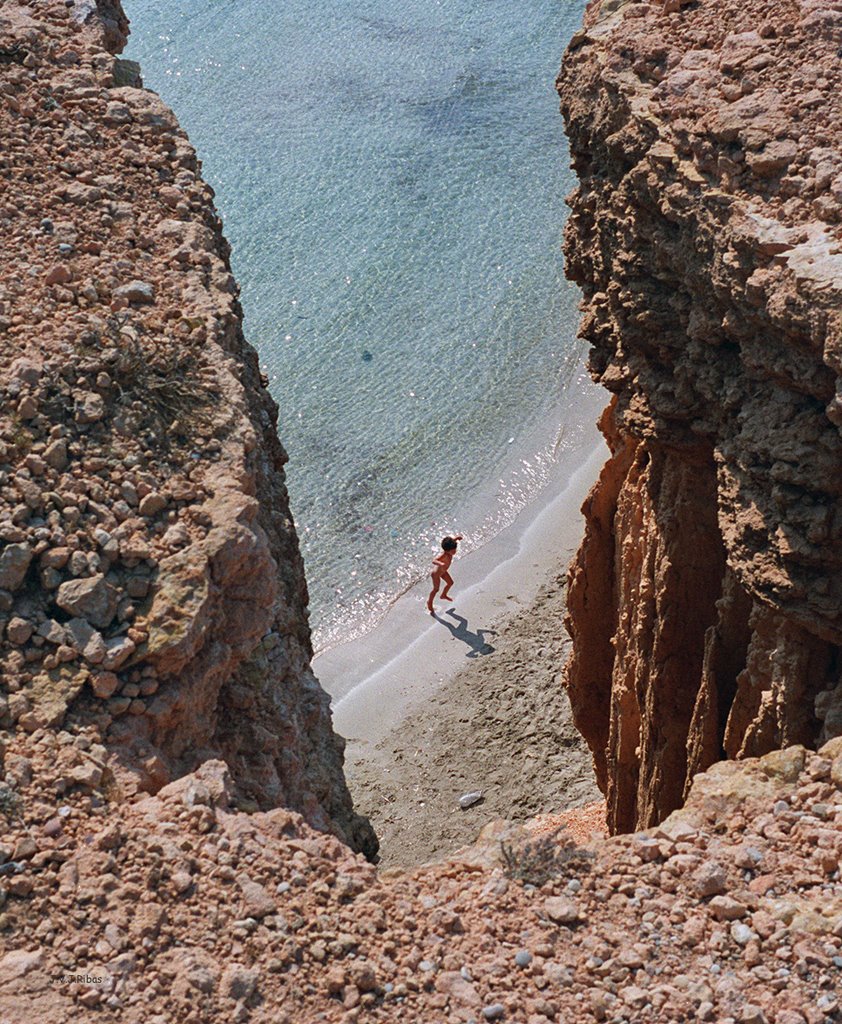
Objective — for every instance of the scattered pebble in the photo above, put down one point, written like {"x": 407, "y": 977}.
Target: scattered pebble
{"x": 469, "y": 799}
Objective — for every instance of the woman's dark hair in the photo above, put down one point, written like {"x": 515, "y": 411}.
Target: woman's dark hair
{"x": 449, "y": 544}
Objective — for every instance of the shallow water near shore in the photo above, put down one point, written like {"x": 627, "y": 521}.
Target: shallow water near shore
{"x": 392, "y": 181}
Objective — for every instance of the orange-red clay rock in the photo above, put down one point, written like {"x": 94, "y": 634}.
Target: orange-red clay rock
{"x": 705, "y": 603}
{"x": 177, "y": 907}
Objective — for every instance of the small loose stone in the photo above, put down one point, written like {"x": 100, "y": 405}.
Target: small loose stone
{"x": 494, "y": 1011}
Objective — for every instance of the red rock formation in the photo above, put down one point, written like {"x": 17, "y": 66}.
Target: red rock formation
{"x": 151, "y": 585}
{"x": 706, "y": 600}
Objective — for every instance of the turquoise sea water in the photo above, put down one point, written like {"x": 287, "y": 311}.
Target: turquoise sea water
{"x": 392, "y": 180}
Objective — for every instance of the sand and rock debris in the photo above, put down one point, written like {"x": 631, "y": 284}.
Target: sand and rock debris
{"x": 501, "y": 726}
{"x": 731, "y": 910}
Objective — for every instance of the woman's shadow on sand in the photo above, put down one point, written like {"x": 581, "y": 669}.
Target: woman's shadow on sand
{"x": 475, "y": 640}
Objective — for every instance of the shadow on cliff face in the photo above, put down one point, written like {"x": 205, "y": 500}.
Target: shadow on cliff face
{"x": 475, "y": 641}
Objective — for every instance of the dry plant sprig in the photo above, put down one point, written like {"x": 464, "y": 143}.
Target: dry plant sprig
{"x": 14, "y": 54}
{"x": 539, "y": 860}
{"x": 164, "y": 381}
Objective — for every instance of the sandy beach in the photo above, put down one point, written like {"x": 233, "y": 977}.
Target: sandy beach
{"x": 469, "y": 700}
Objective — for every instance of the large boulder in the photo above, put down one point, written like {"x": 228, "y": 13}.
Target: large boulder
{"x": 92, "y": 599}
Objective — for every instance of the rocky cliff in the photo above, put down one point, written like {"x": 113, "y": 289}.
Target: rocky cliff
{"x": 705, "y": 602}
{"x": 161, "y": 726}
{"x": 153, "y": 608}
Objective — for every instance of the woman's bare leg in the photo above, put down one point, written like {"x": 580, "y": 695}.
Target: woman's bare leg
{"x": 448, "y": 583}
